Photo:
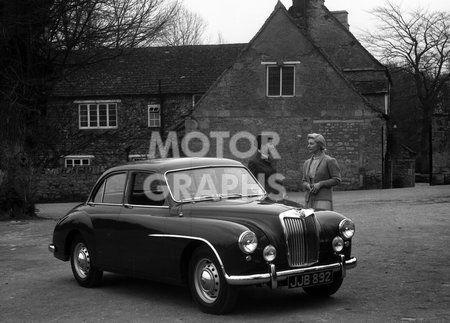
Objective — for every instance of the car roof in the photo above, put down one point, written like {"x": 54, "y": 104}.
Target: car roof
{"x": 167, "y": 164}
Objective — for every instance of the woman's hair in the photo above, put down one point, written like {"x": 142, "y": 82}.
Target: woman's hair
{"x": 319, "y": 139}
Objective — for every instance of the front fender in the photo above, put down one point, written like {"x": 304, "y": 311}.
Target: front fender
{"x": 329, "y": 223}
{"x": 329, "y": 228}
{"x": 222, "y": 237}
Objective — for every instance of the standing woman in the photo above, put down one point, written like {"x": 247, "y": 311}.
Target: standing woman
{"x": 320, "y": 173}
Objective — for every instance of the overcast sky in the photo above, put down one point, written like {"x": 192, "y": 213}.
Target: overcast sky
{"x": 239, "y": 20}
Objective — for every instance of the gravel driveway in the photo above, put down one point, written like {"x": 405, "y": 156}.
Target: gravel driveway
{"x": 402, "y": 243}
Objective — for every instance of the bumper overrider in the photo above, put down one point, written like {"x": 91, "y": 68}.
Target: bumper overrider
{"x": 273, "y": 277}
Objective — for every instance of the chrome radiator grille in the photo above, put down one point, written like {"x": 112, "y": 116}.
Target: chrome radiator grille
{"x": 302, "y": 240}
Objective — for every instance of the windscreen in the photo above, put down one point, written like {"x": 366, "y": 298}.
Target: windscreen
{"x": 212, "y": 182}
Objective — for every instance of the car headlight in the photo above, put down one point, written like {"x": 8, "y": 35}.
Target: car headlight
{"x": 269, "y": 253}
{"x": 346, "y": 229}
{"x": 338, "y": 244}
{"x": 248, "y": 242}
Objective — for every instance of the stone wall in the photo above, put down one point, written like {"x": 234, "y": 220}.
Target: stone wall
{"x": 441, "y": 149}
{"x": 66, "y": 184}
{"x": 110, "y": 147}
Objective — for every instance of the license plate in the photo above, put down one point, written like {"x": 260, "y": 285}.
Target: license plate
{"x": 312, "y": 279}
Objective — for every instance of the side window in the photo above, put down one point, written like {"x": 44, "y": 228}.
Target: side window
{"x": 147, "y": 189}
{"x": 111, "y": 190}
{"x": 114, "y": 188}
{"x": 98, "y": 198}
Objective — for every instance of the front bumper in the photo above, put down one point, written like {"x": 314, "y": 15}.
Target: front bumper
{"x": 273, "y": 277}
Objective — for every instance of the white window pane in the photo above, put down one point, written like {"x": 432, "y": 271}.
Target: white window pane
{"x": 112, "y": 115}
{"x": 103, "y": 115}
{"x": 83, "y": 115}
{"x": 93, "y": 120}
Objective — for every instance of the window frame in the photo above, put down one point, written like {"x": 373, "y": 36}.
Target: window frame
{"x": 280, "y": 65}
{"x": 154, "y": 122}
{"x": 102, "y": 185}
{"x": 129, "y": 191}
{"x": 80, "y": 158}
{"x": 93, "y": 109}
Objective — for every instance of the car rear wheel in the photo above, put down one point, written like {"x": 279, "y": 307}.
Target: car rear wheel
{"x": 83, "y": 265}
{"x": 325, "y": 290}
{"x": 207, "y": 283}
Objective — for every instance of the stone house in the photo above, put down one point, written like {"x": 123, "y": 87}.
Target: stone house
{"x": 302, "y": 72}
{"x": 108, "y": 111}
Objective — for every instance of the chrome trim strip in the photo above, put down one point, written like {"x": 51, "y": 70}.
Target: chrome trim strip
{"x": 103, "y": 204}
{"x": 282, "y": 275}
{"x": 147, "y": 206}
{"x": 52, "y": 248}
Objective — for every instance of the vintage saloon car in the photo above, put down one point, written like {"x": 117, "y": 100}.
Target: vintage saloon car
{"x": 206, "y": 223}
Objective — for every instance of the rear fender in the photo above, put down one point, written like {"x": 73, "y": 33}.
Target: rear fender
{"x": 76, "y": 223}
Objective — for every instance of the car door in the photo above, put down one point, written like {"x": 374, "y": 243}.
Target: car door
{"x": 104, "y": 210}
{"x": 142, "y": 221}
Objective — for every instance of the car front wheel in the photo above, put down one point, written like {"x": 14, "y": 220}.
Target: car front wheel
{"x": 82, "y": 262}
{"x": 324, "y": 290}
{"x": 208, "y": 285}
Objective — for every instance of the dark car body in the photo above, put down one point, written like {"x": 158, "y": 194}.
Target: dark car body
{"x": 202, "y": 239}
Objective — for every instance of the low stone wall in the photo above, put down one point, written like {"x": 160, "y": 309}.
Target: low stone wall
{"x": 66, "y": 184}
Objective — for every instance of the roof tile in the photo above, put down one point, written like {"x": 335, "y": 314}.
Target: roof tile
{"x": 183, "y": 69}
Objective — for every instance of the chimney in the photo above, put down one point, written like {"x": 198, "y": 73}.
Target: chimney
{"x": 298, "y": 8}
{"x": 342, "y": 16}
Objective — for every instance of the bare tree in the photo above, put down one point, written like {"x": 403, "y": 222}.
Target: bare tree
{"x": 186, "y": 29}
{"x": 417, "y": 42}
{"x": 220, "y": 39}
{"x": 40, "y": 40}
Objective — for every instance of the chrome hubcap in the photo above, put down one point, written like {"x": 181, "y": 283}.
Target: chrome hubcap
{"x": 82, "y": 260}
{"x": 207, "y": 281}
